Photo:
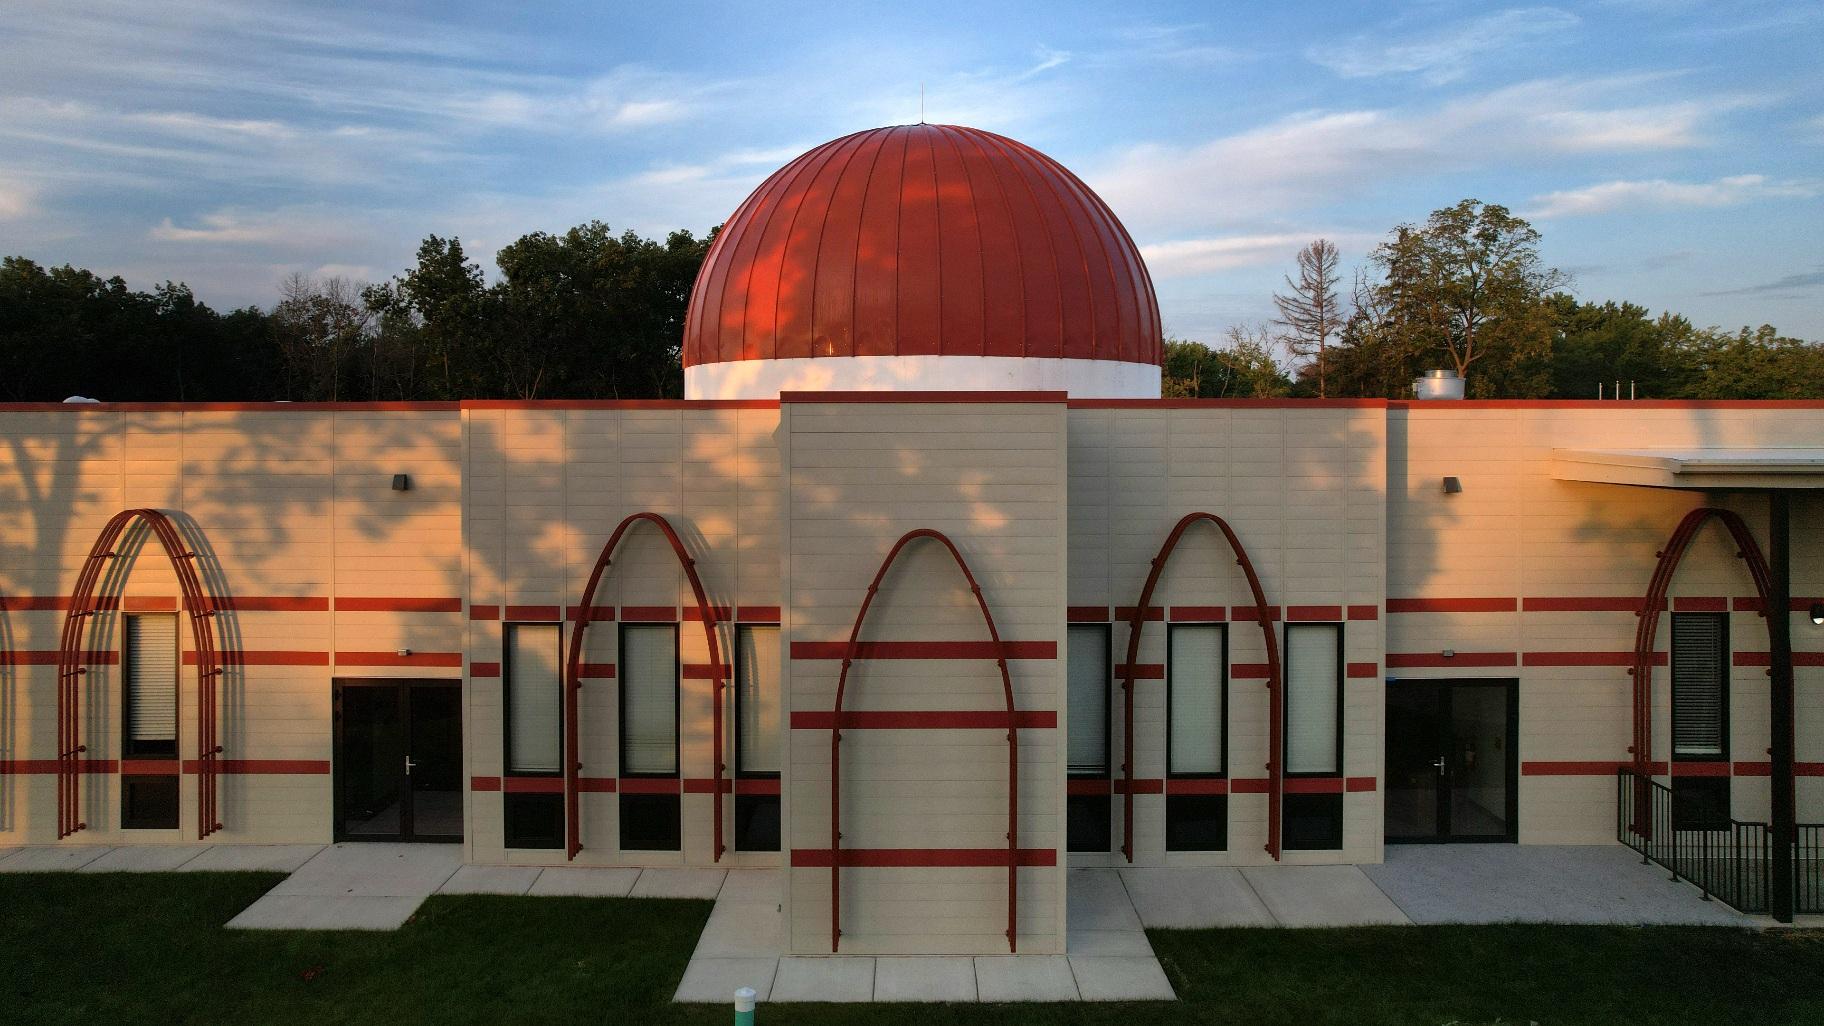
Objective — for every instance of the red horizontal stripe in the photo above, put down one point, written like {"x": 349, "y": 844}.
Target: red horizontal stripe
{"x": 653, "y": 614}
{"x": 1765, "y": 769}
{"x": 1251, "y": 614}
{"x": 264, "y": 657}
{"x": 373, "y": 604}
{"x": 1582, "y": 604}
{"x": 149, "y": 604}
{"x": 274, "y": 603}
{"x": 1766, "y": 659}
{"x": 986, "y": 397}
{"x": 1141, "y": 671}
{"x": 1126, "y": 613}
{"x": 1200, "y": 786}
{"x": 602, "y": 614}
{"x": 540, "y": 614}
{"x": 1250, "y": 671}
{"x": 922, "y": 858}
{"x": 1364, "y": 671}
{"x": 229, "y": 603}
{"x": 1407, "y": 660}
{"x": 757, "y": 785}
{"x": 275, "y": 767}
{"x": 924, "y": 720}
{"x": 650, "y": 785}
{"x": 484, "y": 612}
{"x": 586, "y": 671}
{"x": 1086, "y": 614}
{"x": 694, "y": 615}
{"x": 1450, "y": 605}
{"x": 1357, "y": 784}
{"x": 48, "y": 657}
{"x": 757, "y": 614}
{"x": 484, "y": 669}
{"x": 1313, "y": 785}
{"x": 616, "y": 404}
{"x": 1229, "y": 404}
{"x": 161, "y": 767}
{"x": 532, "y": 785}
{"x": 706, "y": 671}
{"x": 24, "y": 767}
{"x": 395, "y": 659}
{"x": 30, "y": 603}
{"x": 1142, "y": 785}
{"x": 926, "y": 650}
{"x": 1075, "y": 785}
{"x": 1586, "y": 659}
{"x": 484, "y": 783}
{"x": 1364, "y": 612}
{"x": 1314, "y": 612}
{"x": 1208, "y": 614}
{"x": 1700, "y": 604}
{"x": 149, "y": 767}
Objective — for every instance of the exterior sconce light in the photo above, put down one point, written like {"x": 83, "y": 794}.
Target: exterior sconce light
{"x": 402, "y": 653}
{"x": 1817, "y": 613}
{"x": 1452, "y": 485}
{"x": 1450, "y": 653}
{"x": 402, "y": 482}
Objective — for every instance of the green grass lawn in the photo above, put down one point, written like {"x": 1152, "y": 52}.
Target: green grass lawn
{"x": 121, "y": 948}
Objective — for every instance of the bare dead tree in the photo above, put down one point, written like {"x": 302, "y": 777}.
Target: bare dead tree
{"x": 1312, "y": 314}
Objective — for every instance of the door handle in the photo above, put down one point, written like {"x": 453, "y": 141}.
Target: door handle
{"x": 409, "y": 764}
{"x": 1438, "y": 762}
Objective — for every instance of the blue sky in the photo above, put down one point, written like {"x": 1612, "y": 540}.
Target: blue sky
{"x": 1671, "y": 151}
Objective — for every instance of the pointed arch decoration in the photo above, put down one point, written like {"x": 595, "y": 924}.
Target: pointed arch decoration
{"x": 1646, "y": 631}
{"x": 852, "y": 652}
{"x": 573, "y": 673}
{"x": 85, "y": 602}
{"x": 1275, "y": 692}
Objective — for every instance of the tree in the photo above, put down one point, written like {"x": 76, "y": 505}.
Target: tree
{"x": 1311, "y": 314}
{"x": 321, "y": 329}
{"x": 1755, "y": 363}
{"x": 1469, "y": 283}
{"x": 1245, "y": 369}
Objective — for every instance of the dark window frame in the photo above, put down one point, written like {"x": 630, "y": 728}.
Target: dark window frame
{"x": 1342, "y": 677}
{"x": 735, "y": 665}
{"x": 677, "y": 702}
{"x": 1222, "y": 685}
{"x": 148, "y": 750}
{"x": 1725, "y": 660}
{"x": 1108, "y": 701}
{"x": 506, "y": 704}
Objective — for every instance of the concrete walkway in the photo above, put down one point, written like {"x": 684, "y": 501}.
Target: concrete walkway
{"x": 157, "y": 858}
{"x": 1107, "y": 957}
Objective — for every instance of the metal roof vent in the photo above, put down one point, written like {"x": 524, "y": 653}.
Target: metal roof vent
{"x": 1438, "y": 384}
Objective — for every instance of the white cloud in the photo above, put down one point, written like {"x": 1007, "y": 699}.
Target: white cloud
{"x": 1604, "y": 197}
{"x": 1325, "y": 156}
{"x": 1184, "y": 257}
{"x": 1443, "y": 55}
{"x": 15, "y": 200}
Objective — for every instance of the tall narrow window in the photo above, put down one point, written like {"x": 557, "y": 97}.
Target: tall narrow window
{"x": 650, "y": 819}
{"x": 1088, "y": 826}
{"x": 759, "y": 736}
{"x": 1313, "y": 734}
{"x": 1196, "y": 806}
{"x": 1700, "y": 717}
{"x": 534, "y": 734}
{"x": 149, "y": 674}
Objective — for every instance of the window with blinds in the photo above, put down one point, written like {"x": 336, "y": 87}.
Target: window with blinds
{"x": 758, "y": 730}
{"x": 1196, "y": 671}
{"x": 1314, "y": 677}
{"x": 535, "y": 691}
{"x": 151, "y": 683}
{"x": 1088, "y": 706}
{"x": 1700, "y": 685}
{"x": 649, "y": 699}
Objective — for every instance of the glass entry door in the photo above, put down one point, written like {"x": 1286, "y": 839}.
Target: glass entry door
{"x": 1452, "y": 763}
{"x": 398, "y": 768}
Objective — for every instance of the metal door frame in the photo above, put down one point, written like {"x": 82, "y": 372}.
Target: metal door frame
{"x": 403, "y": 687}
{"x": 1444, "y": 690}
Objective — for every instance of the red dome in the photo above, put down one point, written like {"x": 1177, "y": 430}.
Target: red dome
{"x": 923, "y": 240}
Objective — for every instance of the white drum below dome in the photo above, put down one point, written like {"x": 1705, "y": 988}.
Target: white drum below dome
{"x": 765, "y": 379}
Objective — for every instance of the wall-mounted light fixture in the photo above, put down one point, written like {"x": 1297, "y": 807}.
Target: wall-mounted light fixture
{"x": 1450, "y": 653}
{"x": 1817, "y": 613}
{"x": 403, "y": 652}
{"x": 1452, "y": 485}
{"x": 402, "y": 482}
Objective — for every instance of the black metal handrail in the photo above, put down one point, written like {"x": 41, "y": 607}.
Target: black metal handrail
{"x": 1725, "y": 858}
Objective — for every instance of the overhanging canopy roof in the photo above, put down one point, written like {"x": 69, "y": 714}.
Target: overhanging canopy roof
{"x": 1693, "y": 468}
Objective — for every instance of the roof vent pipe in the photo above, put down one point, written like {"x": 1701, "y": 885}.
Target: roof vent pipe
{"x": 1438, "y": 384}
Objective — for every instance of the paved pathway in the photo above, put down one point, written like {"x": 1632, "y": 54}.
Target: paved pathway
{"x": 1107, "y": 957}
{"x": 157, "y": 858}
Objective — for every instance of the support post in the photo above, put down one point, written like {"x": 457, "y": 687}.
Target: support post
{"x": 1779, "y": 636}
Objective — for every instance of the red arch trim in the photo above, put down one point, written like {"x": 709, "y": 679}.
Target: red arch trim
{"x": 84, "y": 603}
{"x": 1647, "y": 629}
{"x": 1275, "y": 693}
{"x": 849, "y": 655}
{"x": 573, "y": 673}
